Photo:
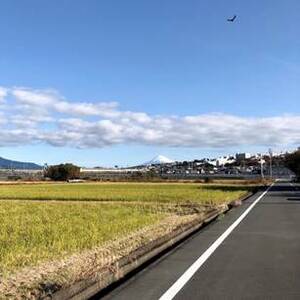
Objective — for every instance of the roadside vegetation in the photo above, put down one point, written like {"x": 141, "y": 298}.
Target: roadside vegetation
{"x": 62, "y": 172}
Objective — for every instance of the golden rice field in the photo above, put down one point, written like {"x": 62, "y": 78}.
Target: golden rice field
{"x": 149, "y": 192}
{"x": 33, "y": 232}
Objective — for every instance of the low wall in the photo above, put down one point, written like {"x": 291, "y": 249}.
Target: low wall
{"x": 20, "y": 175}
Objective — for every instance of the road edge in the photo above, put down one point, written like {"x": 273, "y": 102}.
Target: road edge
{"x": 90, "y": 287}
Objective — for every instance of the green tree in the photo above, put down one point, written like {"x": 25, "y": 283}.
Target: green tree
{"x": 62, "y": 172}
{"x": 292, "y": 161}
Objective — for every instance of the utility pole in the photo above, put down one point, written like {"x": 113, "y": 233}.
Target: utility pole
{"x": 271, "y": 154}
{"x": 261, "y": 167}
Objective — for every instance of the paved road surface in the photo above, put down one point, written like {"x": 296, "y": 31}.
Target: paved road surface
{"x": 260, "y": 259}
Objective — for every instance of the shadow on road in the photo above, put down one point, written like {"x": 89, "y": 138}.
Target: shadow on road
{"x": 282, "y": 188}
{"x": 232, "y": 188}
{"x": 294, "y": 199}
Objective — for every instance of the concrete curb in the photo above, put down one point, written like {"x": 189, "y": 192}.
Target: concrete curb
{"x": 239, "y": 201}
{"x": 87, "y": 288}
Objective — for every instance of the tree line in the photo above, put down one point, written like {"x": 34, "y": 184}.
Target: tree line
{"x": 292, "y": 161}
{"x": 62, "y": 172}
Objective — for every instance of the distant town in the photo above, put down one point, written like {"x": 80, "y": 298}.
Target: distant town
{"x": 240, "y": 165}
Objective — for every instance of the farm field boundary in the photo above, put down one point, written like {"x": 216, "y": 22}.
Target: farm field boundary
{"x": 59, "y": 249}
{"x": 140, "y": 256}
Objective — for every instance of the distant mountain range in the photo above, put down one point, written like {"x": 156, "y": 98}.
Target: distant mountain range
{"x": 12, "y": 164}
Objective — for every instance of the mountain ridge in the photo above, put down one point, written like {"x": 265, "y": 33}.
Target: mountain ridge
{"x": 13, "y": 164}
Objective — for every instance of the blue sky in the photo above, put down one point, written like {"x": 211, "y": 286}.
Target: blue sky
{"x": 159, "y": 58}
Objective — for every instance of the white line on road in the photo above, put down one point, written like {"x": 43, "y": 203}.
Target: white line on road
{"x": 188, "y": 274}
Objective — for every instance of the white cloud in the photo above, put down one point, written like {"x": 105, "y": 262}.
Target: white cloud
{"x": 3, "y": 119}
{"x": 3, "y": 93}
{"x": 35, "y": 97}
{"x": 52, "y": 100}
{"x": 44, "y": 116}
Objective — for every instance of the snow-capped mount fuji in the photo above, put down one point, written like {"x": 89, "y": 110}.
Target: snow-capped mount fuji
{"x": 158, "y": 160}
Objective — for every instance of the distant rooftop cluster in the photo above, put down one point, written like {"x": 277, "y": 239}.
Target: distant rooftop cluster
{"x": 240, "y": 164}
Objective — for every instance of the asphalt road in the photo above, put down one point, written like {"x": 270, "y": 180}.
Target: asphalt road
{"x": 259, "y": 259}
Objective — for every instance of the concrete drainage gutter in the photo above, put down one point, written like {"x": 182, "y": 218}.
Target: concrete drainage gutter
{"x": 87, "y": 288}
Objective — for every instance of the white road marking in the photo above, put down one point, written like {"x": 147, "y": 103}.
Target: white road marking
{"x": 188, "y": 274}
